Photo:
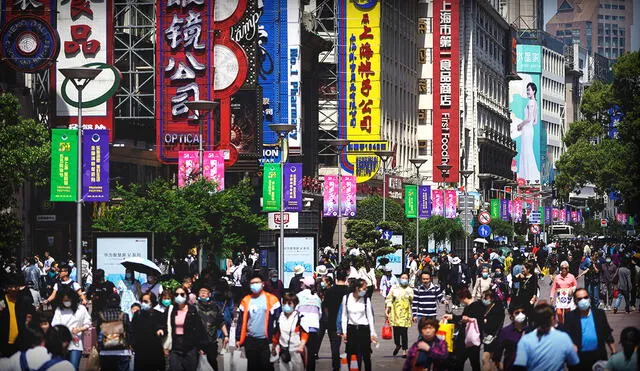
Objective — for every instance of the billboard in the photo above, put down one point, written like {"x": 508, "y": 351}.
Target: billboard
{"x": 359, "y": 88}
{"x": 526, "y": 126}
{"x": 298, "y": 251}
{"x": 112, "y": 249}
{"x": 86, "y": 35}
{"x": 446, "y": 89}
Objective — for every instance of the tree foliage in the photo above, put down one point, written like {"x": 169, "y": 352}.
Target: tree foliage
{"x": 184, "y": 217}
{"x": 593, "y": 158}
{"x": 501, "y": 227}
{"x": 24, "y": 156}
{"x": 362, "y": 234}
{"x": 441, "y": 229}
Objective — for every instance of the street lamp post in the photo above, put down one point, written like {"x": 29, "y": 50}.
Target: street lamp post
{"x": 340, "y": 144}
{"x": 205, "y": 106}
{"x": 384, "y": 156}
{"x": 80, "y": 78}
{"x": 283, "y": 131}
{"x": 466, "y": 174}
{"x": 417, "y": 162}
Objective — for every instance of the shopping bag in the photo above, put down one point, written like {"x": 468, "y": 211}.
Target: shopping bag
{"x": 93, "y": 362}
{"x": 89, "y": 340}
{"x": 445, "y": 332}
{"x": 203, "y": 364}
{"x": 472, "y": 334}
{"x": 234, "y": 360}
{"x": 387, "y": 333}
{"x": 615, "y": 293}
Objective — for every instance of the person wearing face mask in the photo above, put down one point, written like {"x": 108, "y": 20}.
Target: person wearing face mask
{"x": 562, "y": 291}
{"x": 398, "y": 313}
{"x": 387, "y": 281}
{"x": 65, "y": 281}
{"x": 185, "y": 334}
{"x": 274, "y": 285}
{"x": 129, "y": 291}
{"x": 483, "y": 283}
{"x": 429, "y": 352}
{"x": 212, "y": 321}
{"x": 358, "y": 328}
{"x": 608, "y": 278}
{"x": 99, "y": 293}
{"x": 589, "y": 330}
{"x": 114, "y": 351}
{"x": 289, "y": 337}
{"x": 527, "y": 292}
{"x": 76, "y": 318}
{"x": 506, "y": 343}
{"x": 492, "y": 321}
{"x": 166, "y": 299}
{"x": 624, "y": 286}
{"x": 426, "y": 298}
{"x": 258, "y": 313}
{"x": 473, "y": 310}
{"x": 152, "y": 285}
{"x": 146, "y": 335}
{"x": 310, "y": 309}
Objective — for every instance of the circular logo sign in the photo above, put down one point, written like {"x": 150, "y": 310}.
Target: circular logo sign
{"x": 71, "y": 99}
{"x": 365, "y": 5}
{"x": 29, "y": 44}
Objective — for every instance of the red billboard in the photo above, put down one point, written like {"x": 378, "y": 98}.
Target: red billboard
{"x": 446, "y": 89}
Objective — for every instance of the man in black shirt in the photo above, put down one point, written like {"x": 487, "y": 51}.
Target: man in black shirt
{"x": 330, "y": 307}
{"x": 99, "y": 293}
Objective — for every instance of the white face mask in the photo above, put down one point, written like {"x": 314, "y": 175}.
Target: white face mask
{"x": 66, "y": 304}
{"x": 520, "y": 317}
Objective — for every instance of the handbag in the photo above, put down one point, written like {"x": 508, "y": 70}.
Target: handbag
{"x": 112, "y": 333}
{"x": 472, "y": 334}
{"x": 445, "y": 333}
{"x": 387, "y": 333}
{"x": 89, "y": 340}
{"x": 203, "y": 364}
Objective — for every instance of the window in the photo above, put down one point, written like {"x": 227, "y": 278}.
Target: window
{"x": 425, "y": 148}
{"x": 425, "y": 86}
{"x": 622, "y": 7}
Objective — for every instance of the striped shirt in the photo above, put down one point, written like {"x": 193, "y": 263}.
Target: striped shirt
{"x": 425, "y": 300}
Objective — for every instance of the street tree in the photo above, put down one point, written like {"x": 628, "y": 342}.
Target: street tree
{"x": 440, "y": 229}
{"x": 24, "y": 157}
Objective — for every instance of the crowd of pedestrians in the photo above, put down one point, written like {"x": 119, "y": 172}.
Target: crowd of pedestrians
{"x": 181, "y": 319}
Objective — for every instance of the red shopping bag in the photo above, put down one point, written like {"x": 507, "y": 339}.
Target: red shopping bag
{"x": 387, "y": 333}
{"x": 615, "y": 293}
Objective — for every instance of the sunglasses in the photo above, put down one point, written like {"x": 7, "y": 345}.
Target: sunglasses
{"x": 181, "y": 294}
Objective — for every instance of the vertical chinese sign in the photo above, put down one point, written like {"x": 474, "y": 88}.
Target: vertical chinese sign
{"x": 359, "y": 88}
{"x": 437, "y": 202}
{"x": 504, "y": 209}
{"x": 86, "y": 33}
{"x": 446, "y": 88}
{"x": 329, "y": 195}
{"x": 271, "y": 188}
{"x": 451, "y": 199}
{"x": 64, "y": 165}
{"x": 95, "y": 165}
{"x": 184, "y": 56}
{"x": 411, "y": 201}
{"x": 188, "y": 167}
{"x": 348, "y": 195}
{"x": 213, "y": 167}
{"x": 495, "y": 208}
{"x": 424, "y": 201}
{"x": 292, "y": 187}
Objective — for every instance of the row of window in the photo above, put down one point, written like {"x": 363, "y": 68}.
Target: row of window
{"x": 610, "y": 53}
{"x": 425, "y": 147}
{"x": 611, "y": 42}
{"x": 553, "y": 62}
{"x": 607, "y": 17}
{"x": 491, "y": 85}
{"x": 612, "y": 6}
{"x": 553, "y": 129}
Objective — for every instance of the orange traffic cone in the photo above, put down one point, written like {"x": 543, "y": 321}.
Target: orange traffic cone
{"x": 353, "y": 366}
{"x": 344, "y": 364}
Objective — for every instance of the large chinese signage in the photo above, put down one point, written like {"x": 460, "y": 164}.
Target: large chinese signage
{"x": 446, "y": 89}
{"x": 86, "y": 36}
{"x": 192, "y": 38}
{"x": 359, "y": 76}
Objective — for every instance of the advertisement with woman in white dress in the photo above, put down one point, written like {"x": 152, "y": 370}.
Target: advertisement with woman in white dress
{"x": 526, "y": 128}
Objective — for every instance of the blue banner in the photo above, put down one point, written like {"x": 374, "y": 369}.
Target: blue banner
{"x": 292, "y": 187}
{"x": 504, "y": 209}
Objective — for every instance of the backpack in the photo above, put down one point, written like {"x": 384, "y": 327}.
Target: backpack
{"x": 45, "y": 366}
{"x": 245, "y": 274}
{"x": 112, "y": 333}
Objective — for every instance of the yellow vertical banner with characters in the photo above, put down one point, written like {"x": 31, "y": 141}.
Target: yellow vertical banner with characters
{"x": 359, "y": 72}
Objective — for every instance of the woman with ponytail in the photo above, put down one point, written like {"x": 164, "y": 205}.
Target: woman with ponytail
{"x": 628, "y": 359}
{"x": 545, "y": 348}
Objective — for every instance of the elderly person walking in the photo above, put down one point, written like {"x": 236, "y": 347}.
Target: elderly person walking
{"x": 398, "y": 313}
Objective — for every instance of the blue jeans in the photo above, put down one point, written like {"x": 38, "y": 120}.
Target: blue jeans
{"x": 618, "y": 300}
{"x": 74, "y": 358}
{"x": 594, "y": 292}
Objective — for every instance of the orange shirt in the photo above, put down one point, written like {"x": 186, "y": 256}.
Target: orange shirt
{"x": 13, "y": 320}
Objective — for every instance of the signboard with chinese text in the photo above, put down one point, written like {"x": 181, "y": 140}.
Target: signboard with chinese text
{"x": 424, "y": 201}
{"x": 95, "y": 165}
{"x": 271, "y": 187}
{"x": 359, "y": 88}
{"x": 411, "y": 201}
{"x": 437, "y": 202}
{"x": 64, "y": 165}
{"x": 330, "y": 195}
{"x": 348, "y": 195}
{"x": 188, "y": 167}
{"x": 86, "y": 35}
{"x": 112, "y": 249}
{"x": 293, "y": 187}
{"x": 299, "y": 251}
{"x": 451, "y": 200}
{"x": 446, "y": 89}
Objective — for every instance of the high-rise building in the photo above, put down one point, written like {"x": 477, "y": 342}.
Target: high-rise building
{"x": 603, "y": 26}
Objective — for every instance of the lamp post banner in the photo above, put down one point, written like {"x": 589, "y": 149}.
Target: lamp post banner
{"x": 330, "y": 196}
{"x": 213, "y": 167}
{"x": 64, "y": 165}
{"x": 437, "y": 202}
{"x": 451, "y": 198}
{"x": 548, "y": 215}
{"x": 292, "y": 187}
{"x": 411, "y": 201}
{"x": 504, "y": 209}
{"x": 271, "y": 187}
{"x": 95, "y": 165}
{"x": 424, "y": 201}
{"x": 188, "y": 167}
{"x": 495, "y": 208}
{"x": 348, "y": 198}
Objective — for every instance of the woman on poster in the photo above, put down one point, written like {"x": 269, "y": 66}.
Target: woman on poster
{"x": 528, "y": 168}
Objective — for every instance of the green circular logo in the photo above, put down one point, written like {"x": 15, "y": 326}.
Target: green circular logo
{"x": 99, "y": 100}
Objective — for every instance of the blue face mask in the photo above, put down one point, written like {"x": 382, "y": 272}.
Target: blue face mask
{"x": 256, "y": 287}
{"x": 204, "y": 300}
{"x": 166, "y": 302}
{"x": 128, "y": 276}
{"x": 404, "y": 281}
{"x": 584, "y": 304}
{"x": 362, "y": 293}
{"x": 287, "y": 308}
{"x": 145, "y": 306}
{"x": 485, "y": 275}
{"x": 323, "y": 285}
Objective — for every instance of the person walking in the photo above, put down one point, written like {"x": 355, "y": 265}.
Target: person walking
{"x": 591, "y": 272}
{"x": 429, "y": 352}
{"x": 589, "y": 330}
{"x": 492, "y": 322}
{"x": 426, "y": 298}
{"x": 545, "y": 348}
{"x": 332, "y": 304}
{"x": 146, "y": 335}
{"x": 398, "y": 313}
{"x": 64, "y": 280}
{"x": 129, "y": 291}
{"x": 212, "y": 321}
{"x": 504, "y": 347}
{"x": 310, "y": 309}
{"x": 289, "y": 336}
{"x": 473, "y": 311}
{"x": 527, "y": 293}
{"x": 114, "y": 347}
{"x": 387, "y": 281}
{"x": 561, "y": 295}
{"x": 76, "y": 318}
{"x": 358, "y": 330}
{"x": 274, "y": 285}
{"x": 295, "y": 282}
{"x": 257, "y": 317}
{"x": 458, "y": 278}
{"x": 608, "y": 278}
{"x": 99, "y": 292}
{"x": 624, "y": 286}
{"x": 16, "y": 304}
{"x": 483, "y": 283}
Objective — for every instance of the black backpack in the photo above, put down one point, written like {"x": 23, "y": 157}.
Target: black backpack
{"x": 245, "y": 275}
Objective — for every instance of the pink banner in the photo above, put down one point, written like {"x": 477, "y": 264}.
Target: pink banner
{"x": 214, "y": 167}
{"x": 451, "y": 201}
{"x": 348, "y": 195}
{"x": 437, "y": 202}
{"x": 563, "y": 215}
{"x": 556, "y": 214}
{"x": 188, "y": 167}
{"x": 574, "y": 217}
{"x": 330, "y": 195}
{"x": 621, "y": 218}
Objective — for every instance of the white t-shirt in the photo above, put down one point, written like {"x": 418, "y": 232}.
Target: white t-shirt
{"x": 354, "y": 313}
{"x": 36, "y": 358}
{"x": 80, "y": 318}
{"x": 157, "y": 289}
{"x": 75, "y": 285}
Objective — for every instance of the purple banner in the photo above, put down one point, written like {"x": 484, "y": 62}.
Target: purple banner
{"x": 292, "y": 187}
{"x": 437, "y": 201}
{"x": 330, "y": 196}
{"x": 580, "y": 216}
{"x": 548, "y": 216}
{"x": 504, "y": 209}
{"x": 95, "y": 165}
{"x": 348, "y": 195}
{"x": 568, "y": 213}
{"x": 424, "y": 201}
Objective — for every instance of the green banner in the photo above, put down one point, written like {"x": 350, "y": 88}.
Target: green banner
{"x": 64, "y": 165}
{"x": 495, "y": 208}
{"x": 541, "y": 214}
{"x": 271, "y": 187}
{"x": 411, "y": 201}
